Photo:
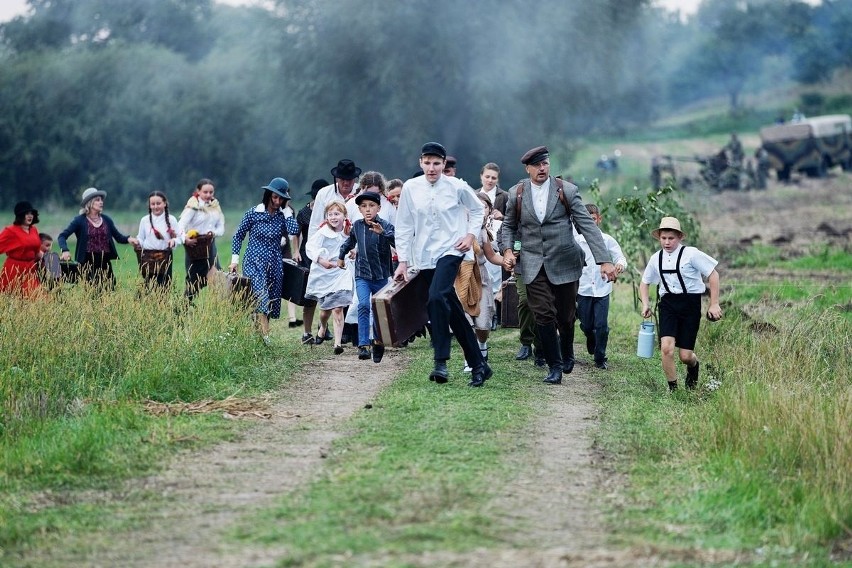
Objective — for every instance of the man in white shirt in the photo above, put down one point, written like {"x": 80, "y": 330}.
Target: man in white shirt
{"x": 343, "y": 188}
{"x": 436, "y": 224}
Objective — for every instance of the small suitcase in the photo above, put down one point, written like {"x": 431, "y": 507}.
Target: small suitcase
{"x": 399, "y": 310}
{"x": 295, "y": 282}
{"x": 509, "y": 305}
{"x": 53, "y": 271}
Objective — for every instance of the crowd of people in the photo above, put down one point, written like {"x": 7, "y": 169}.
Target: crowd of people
{"x": 360, "y": 232}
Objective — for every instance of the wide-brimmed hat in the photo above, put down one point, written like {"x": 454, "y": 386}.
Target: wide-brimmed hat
{"x": 668, "y": 224}
{"x": 346, "y": 169}
{"x": 316, "y": 186}
{"x": 278, "y": 186}
{"x": 90, "y": 194}
{"x": 24, "y": 207}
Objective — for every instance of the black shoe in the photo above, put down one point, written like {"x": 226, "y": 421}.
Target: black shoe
{"x": 692, "y": 376}
{"x": 363, "y": 353}
{"x": 338, "y": 349}
{"x": 440, "y": 374}
{"x": 601, "y": 365}
{"x": 322, "y": 336}
{"x": 524, "y": 353}
{"x": 480, "y": 375}
{"x": 568, "y": 365}
{"x": 540, "y": 361}
{"x": 673, "y": 385}
{"x": 590, "y": 344}
{"x": 378, "y": 352}
{"x": 296, "y": 323}
{"x": 307, "y": 339}
{"x": 554, "y": 377}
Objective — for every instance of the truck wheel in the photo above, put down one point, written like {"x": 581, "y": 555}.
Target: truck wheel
{"x": 783, "y": 173}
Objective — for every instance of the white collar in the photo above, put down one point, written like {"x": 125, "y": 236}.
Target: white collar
{"x": 260, "y": 208}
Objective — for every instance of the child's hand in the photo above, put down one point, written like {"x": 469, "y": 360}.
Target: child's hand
{"x": 376, "y": 228}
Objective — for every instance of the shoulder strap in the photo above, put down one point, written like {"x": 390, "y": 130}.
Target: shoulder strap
{"x": 561, "y": 194}
{"x": 519, "y": 195}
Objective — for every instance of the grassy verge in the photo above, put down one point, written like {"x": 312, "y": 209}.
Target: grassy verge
{"x": 75, "y": 367}
{"x": 758, "y": 459}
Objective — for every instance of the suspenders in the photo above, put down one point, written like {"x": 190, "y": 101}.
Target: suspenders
{"x": 675, "y": 271}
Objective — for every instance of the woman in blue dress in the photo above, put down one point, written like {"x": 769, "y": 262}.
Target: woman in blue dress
{"x": 265, "y": 225}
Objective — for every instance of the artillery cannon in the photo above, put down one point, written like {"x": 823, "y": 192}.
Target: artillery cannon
{"x": 715, "y": 172}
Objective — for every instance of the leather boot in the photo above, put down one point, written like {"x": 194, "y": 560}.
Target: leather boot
{"x": 566, "y": 347}
{"x": 552, "y": 354}
{"x": 480, "y": 375}
{"x": 440, "y": 374}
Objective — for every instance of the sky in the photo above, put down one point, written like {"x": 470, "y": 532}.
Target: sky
{"x": 11, "y": 8}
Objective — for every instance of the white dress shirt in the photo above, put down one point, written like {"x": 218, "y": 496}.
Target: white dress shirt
{"x": 432, "y": 218}
{"x": 592, "y": 283}
{"x": 539, "y": 197}
{"x": 203, "y": 219}
{"x": 694, "y": 267}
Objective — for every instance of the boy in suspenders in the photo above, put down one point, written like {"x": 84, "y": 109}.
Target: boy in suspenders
{"x": 681, "y": 271}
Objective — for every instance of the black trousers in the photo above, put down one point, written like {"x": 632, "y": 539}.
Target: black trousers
{"x": 553, "y": 303}
{"x": 446, "y": 312}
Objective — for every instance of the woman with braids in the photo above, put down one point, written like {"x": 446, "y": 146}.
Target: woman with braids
{"x": 96, "y": 236}
{"x": 159, "y": 233}
{"x": 201, "y": 222}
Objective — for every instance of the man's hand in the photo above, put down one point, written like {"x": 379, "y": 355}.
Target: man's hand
{"x": 341, "y": 263}
{"x": 609, "y": 272}
{"x": 509, "y": 260}
{"x": 465, "y": 243}
{"x": 401, "y": 272}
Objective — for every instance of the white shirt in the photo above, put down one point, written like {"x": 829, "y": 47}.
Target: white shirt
{"x": 431, "y": 219}
{"x": 325, "y": 196}
{"x": 204, "y": 220}
{"x": 592, "y": 283}
{"x": 539, "y": 198}
{"x": 694, "y": 267}
{"x": 149, "y": 241}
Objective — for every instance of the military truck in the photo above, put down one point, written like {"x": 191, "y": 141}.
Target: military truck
{"x": 810, "y": 145}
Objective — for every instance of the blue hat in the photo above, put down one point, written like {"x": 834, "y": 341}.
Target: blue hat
{"x": 278, "y": 186}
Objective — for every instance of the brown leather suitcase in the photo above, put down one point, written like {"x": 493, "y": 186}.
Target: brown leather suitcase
{"x": 295, "y": 282}
{"x": 399, "y": 310}
{"x": 509, "y": 305}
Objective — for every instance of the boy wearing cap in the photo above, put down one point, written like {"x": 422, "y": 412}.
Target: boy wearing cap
{"x": 436, "y": 224}
{"x": 374, "y": 238}
{"x": 680, "y": 270}
{"x": 539, "y": 214}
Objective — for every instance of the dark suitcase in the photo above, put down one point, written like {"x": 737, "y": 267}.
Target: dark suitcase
{"x": 295, "y": 282}
{"x": 399, "y": 310}
{"x": 239, "y": 288}
{"x": 509, "y": 305}
{"x": 53, "y": 271}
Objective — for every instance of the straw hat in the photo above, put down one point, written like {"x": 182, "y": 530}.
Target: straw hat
{"x": 670, "y": 224}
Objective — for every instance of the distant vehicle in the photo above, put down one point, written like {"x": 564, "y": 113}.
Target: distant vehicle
{"x": 811, "y": 145}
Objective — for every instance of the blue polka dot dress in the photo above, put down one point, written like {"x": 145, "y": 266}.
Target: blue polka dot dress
{"x": 263, "y": 263}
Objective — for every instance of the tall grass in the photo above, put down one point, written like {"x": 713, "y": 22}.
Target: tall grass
{"x": 760, "y": 456}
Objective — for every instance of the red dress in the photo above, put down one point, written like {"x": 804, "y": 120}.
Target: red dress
{"x": 21, "y": 249}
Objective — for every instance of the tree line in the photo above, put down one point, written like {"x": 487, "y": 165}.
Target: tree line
{"x": 136, "y": 95}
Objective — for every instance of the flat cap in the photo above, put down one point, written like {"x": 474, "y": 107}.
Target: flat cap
{"x": 535, "y": 155}
{"x": 433, "y": 149}
{"x": 451, "y": 160}
{"x": 368, "y": 196}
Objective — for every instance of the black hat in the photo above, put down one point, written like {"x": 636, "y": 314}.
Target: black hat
{"x": 278, "y": 186}
{"x": 535, "y": 155}
{"x": 316, "y": 186}
{"x": 24, "y": 207}
{"x": 451, "y": 161}
{"x": 368, "y": 196}
{"x": 433, "y": 149}
{"x": 346, "y": 169}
